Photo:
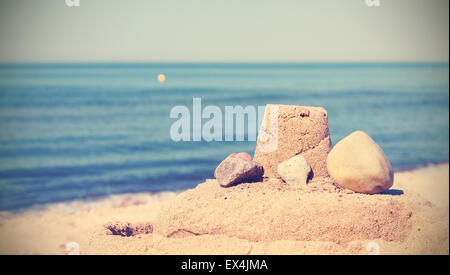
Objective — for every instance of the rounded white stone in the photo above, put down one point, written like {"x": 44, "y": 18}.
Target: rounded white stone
{"x": 359, "y": 164}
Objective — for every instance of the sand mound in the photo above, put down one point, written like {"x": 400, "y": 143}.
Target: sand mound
{"x": 272, "y": 211}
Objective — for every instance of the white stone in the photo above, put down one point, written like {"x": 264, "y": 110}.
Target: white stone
{"x": 359, "y": 164}
{"x": 294, "y": 171}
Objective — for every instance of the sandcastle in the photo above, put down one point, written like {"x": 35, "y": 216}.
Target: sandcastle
{"x": 284, "y": 203}
{"x": 300, "y": 150}
{"x": 302, "y": 190}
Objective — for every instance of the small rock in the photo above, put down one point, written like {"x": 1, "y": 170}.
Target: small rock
{"x": 294, "y": 171}
{"x": 359, "y": 164}
{"x": 234, "y": 170}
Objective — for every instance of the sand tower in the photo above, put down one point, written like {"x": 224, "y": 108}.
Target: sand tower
{"x": 287, "y": 131}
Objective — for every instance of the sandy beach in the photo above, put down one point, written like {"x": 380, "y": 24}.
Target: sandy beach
{"x": 251, "y": 218}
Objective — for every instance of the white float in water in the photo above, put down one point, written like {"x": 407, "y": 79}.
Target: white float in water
{"x": 161, "y": 78}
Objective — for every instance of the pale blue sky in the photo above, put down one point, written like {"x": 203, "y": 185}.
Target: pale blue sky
{"x": 227, "y": 30}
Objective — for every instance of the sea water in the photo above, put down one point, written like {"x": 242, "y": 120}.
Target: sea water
{"x": 79, "y": 131}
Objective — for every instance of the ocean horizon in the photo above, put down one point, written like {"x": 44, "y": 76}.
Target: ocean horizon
{"x": 71, "y": 131}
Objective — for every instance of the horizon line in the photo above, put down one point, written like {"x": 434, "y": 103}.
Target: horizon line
{"x": 216, "y": 62}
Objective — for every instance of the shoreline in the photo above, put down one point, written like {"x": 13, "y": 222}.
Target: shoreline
{"x": 424, "y": 193}
{"x": 408, "y": 168}
{"x": 139, "y": 197}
